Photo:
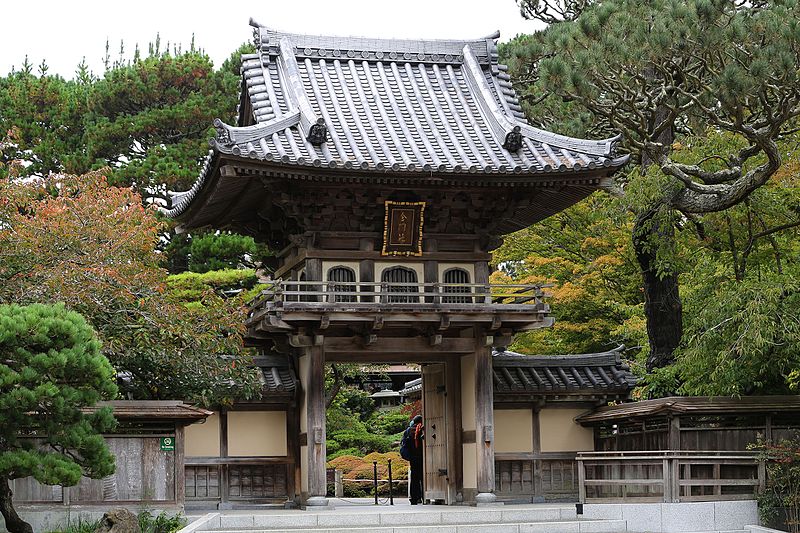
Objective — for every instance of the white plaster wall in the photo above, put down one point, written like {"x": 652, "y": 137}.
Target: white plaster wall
{"x": 470, "y": 469}
{"x": 558, "y": 431}
{"x": 202, "y": 440}
{"x": 304, "y": 469}
{"x": 256, "y": 433}
{"x": 513, "y": 430}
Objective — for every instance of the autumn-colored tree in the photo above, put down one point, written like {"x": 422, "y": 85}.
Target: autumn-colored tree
{"x": 585, "y": 255}
{"x": 77, "y": 240}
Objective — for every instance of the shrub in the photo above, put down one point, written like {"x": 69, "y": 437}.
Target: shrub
{"x": 389, "y": 422}
{"x": 163, "y": 523}
{"x": 781, "y": 494}
{"x": 354, "y": 467}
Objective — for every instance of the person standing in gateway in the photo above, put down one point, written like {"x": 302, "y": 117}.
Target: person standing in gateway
{"x": 411, "y": 447}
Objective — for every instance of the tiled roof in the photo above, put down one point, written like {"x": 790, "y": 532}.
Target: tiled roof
{"x": 562, "y": 374}
{"x": 279, "y": 377}
{"x": 540, "y": 375}
{"x": 380, "y": 105}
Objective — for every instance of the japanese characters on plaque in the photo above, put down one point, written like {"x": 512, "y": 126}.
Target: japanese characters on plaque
{"x": 402, "y": 233}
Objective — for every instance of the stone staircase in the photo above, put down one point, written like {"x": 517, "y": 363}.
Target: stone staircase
{"x": 423, "y": 519}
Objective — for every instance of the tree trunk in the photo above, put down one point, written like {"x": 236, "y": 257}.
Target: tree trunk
{"x": 662, "y": 302}
{"x": 14, "y": 524}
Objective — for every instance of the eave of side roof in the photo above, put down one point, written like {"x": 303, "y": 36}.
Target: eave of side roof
{"x": 692, "y": 405}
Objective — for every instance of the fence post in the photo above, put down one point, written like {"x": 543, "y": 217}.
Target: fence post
{"x": 375, "y": 479}
{"x": 338, "y": 486}
{"x": 762, "y": 475}
{"x": 581, "y": 480}
{"x": 391, "y": 492}
{"x": 666, "y": 478}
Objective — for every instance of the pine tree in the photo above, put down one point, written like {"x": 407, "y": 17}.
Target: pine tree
{"x": 50, "y": 369}
{"x": 660, "y": 70}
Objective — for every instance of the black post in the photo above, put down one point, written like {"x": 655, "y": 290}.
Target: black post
{"x": 391, "y": 492}
{"x": 375, "y": 479}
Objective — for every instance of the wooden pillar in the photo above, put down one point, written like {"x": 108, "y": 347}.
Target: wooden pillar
{"x": 180, "y": 469}
{"x": 484, "y": 421}
{"x": 674, "y": 434}
{"x": 293, "y": 480}
{"x": 224, "y": 482}
{"x": 315, "y": 412}
{"x": 538, "y": 486}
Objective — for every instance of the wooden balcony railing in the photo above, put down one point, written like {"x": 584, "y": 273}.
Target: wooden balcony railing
{"x": 352, "y": 294}
{"x": 674, "y": 476}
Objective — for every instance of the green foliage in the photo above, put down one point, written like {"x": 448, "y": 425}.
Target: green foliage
{"x": 780, "y": 499}
{"x": 148, "y": 119}
{"x": 78, "y": 526}
{"x": 161, "y": 523}
{"x": 744, "y": 338}
{"x": 218, "y": 251}
{"x": 363, "y": 441}
{"x": 389, "y": 422}
{"x": 193, "y": 287}
{"x": 50, "y": 369}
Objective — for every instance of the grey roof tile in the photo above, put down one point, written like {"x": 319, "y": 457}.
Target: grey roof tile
{"x": 547, "y": 374}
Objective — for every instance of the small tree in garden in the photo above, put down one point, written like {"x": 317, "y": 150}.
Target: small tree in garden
{"x": 50, "y": 369}
{"x": 782, "y": 491}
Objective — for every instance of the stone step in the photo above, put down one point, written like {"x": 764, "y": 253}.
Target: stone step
{"x": 370, "y": 517}
{"x": 575, "y": 526}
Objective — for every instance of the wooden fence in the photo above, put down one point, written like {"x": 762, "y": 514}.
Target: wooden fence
{"x": 673, "y": 476}
{"x": 144, "y": 473}
{"x": 552, "y": 476}
{"x": 230, "y": 479}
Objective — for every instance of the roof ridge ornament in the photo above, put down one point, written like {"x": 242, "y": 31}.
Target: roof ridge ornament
{"x": 312, "y": 125}
{"x": 504, "y": 126}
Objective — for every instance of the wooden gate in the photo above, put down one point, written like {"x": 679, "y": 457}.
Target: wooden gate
{"x": 434, "y": 412}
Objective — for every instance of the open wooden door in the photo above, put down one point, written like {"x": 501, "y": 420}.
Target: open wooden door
{"x": 434, "y": 412}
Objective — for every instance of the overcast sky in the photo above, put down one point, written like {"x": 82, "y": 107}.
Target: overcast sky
{"x": 63, "y": 32}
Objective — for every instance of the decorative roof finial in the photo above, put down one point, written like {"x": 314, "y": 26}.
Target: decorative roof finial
{"x": 318, "y": 133}
{"x": 513, "y": 140}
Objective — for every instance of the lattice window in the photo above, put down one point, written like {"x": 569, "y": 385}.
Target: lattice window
{"x": 400, "y": 280}
{"x": 456, "y": 275}
{"x": 342, "y": 280}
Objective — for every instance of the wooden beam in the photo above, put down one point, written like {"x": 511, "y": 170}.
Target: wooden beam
{"x": 398, "y": 345}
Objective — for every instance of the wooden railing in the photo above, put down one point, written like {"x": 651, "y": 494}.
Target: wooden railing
{"x": 668, "y": 476}
{"x": 232, "y": 478}
{"x": 348, "y": 294}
